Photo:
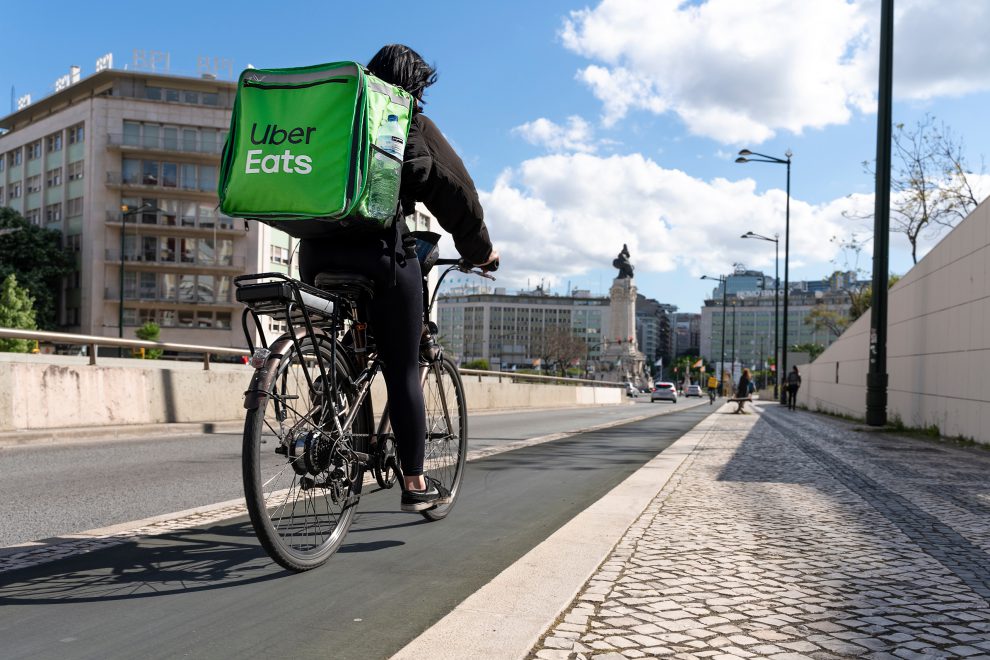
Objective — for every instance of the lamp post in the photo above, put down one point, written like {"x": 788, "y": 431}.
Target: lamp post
{"x": 776, "y": 295}
{"x": 125, "y": 212}
{"x": 745, "y": 157}
{"x": 733, "y": 372}
{"x": 723, "y": 280}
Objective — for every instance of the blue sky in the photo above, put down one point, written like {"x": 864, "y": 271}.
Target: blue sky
{"x": 589, "y": 125}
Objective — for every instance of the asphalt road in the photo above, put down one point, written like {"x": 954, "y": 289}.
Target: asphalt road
{"x": 51, "y": 490}
{"x": 212, "y": 592}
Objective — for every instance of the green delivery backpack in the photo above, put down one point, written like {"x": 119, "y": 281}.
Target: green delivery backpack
{"x": 304, "y": 153}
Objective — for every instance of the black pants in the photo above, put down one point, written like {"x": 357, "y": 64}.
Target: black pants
{"x": 396, "y": 322}
{"x": 792, "y": 396}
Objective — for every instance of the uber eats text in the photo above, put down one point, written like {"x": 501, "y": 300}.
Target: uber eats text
{"x": 287, "y": 162}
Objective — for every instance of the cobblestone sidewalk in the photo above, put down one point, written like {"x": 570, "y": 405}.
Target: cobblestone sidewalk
{"x": 793, "y": 535}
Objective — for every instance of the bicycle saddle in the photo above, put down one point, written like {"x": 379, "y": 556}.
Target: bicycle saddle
{"x": 351, "y": 286}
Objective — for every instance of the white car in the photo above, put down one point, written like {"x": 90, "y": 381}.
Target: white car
{"x": 693, "y": 390}
{"x": 664, "y": 392}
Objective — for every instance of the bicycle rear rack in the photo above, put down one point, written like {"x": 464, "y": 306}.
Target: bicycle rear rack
{"x": 285, "y": 299}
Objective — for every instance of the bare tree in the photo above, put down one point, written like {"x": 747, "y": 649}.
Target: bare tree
{"x": 930, "y": 184}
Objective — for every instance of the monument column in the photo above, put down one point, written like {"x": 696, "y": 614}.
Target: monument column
{"x": 625, "y": 360}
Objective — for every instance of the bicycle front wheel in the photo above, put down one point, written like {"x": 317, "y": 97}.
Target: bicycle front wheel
{"x": 301, "y": 479}
{"x": 446, "y": 431}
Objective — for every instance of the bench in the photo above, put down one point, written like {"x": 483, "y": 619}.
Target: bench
{"x": 740, "y": 402}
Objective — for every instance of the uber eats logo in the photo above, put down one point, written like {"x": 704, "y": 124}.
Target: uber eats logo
{"x": 287, "y": 162}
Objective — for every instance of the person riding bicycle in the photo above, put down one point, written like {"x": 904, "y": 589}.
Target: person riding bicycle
{"x": 712, "y": 388}
{"x": 434, "y": 174}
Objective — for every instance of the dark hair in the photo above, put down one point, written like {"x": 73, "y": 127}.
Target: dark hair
{"x": 402, "y": 66}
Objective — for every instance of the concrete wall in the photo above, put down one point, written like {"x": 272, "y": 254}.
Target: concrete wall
{"x": 938, "y": 343}
{"x": 46, "y": 391}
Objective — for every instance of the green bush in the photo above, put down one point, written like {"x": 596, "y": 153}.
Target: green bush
{"x": 150, "y": 331}
{"x": 16, "y": 312}
{"x": 481, "y": 365}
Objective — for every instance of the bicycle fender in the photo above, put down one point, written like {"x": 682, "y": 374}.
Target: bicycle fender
{"x": 261, "y": 382}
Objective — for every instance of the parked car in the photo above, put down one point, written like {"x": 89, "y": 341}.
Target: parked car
{"x": 631, "y": 390}
{"x": 693, "y": 390}
{"x": 664, "y": 392}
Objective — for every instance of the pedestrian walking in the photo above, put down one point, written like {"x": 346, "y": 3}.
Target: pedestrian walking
{"x": 793, "y": 382}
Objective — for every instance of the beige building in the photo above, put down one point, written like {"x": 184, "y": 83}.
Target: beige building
{"x": 72, "y": 160}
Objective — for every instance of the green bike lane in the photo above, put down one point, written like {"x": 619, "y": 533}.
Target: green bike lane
{"x": 211, "y": 592}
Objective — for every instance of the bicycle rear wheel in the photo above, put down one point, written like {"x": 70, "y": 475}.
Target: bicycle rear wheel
{"x": 301, "y": 481}
{"x": 446, "y": 431}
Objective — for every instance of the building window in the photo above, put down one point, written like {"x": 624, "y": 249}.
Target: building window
{"x": 280, "y": 255}
{"x": 34, "y": 150}
{"x": 131, "y": 171}
{"x": 53, "y": 212}
{"x": 73, "y": 243}
{"x": 76, "y": 170}
{"x": 53, "y": 142}
{"x": 132, "y": 134}
{"x": 153, "y": 93}
{"x": 190, "y": 97}
{"x": 33, "y": 216}
{"x": 15, "y": 191}
{"x": 210, "y": 98}
{"x": 3, "y": 163}
{"x": 33, "y": 184}
{"x": 74, "y": 207}
{"x": 76, "y": 134}
{"x": 171, "y": 96}
{"x": 14, "y": 157}
{"x": 53, "y": 177}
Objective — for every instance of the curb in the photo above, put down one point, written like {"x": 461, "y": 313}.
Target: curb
{"x": 507, "y": 617}
{"x": 115, "y": 433}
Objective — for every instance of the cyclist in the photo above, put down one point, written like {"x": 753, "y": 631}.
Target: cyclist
{"x": 434, "y": 174}
{"x": 712, "y": 388}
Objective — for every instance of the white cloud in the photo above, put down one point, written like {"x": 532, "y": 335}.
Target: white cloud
{"x": 576, "y": 136}
{"x": 741, "y": 71}
{"x": 559, "y": 216}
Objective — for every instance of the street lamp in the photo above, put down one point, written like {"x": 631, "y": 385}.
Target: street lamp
{"x": 126, "y": 211}
{"x": 725, "y": 289}
{"x": 776, "y": 291}
{"x": 745, "y": 157}
{"x": 733, "y": 372}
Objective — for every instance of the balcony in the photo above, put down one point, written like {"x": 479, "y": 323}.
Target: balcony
{"x": 165, "y": 145}
{"x": 171, "y": 225}
{"x": 238, "y": 264}
{"x": 117, "y": 180}
{"x": 184, "y": 297}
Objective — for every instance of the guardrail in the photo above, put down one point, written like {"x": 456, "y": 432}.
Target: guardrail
{"x": 92, "y": 341}
{"x": 559, "y": 379}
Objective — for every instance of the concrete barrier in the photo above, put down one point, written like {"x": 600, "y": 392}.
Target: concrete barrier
{"x": 50, "y": 391}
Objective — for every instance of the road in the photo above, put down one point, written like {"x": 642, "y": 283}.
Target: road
{"x": 211, "y": 592}
{"x": 49, "y": 491}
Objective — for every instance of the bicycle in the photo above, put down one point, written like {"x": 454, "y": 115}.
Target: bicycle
{"x": 310, "y": 436}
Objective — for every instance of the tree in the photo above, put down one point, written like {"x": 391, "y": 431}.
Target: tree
{"x": 930, "y": 185}
{"x": 558, "y": 346}
{"x": 823, "y": 317}
{"x": 16, "y": 311}
{"x": 150, "y": 331}
{"x": 813, "y": 350}
{"x": 860, "y": 300}
{"x": 36, "y": 257}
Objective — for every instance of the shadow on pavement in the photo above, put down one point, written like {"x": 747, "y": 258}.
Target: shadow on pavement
{"x": 216, "y": 557}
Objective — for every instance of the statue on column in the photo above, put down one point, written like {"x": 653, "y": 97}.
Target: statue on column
{"x": 622, "y": 263}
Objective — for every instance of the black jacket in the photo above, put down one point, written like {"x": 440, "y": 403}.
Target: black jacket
{"x": 434, "y": 174}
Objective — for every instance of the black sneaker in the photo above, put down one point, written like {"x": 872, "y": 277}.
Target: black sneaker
{"x": 429, "y": 349}
{"x": 421, "y": 500}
